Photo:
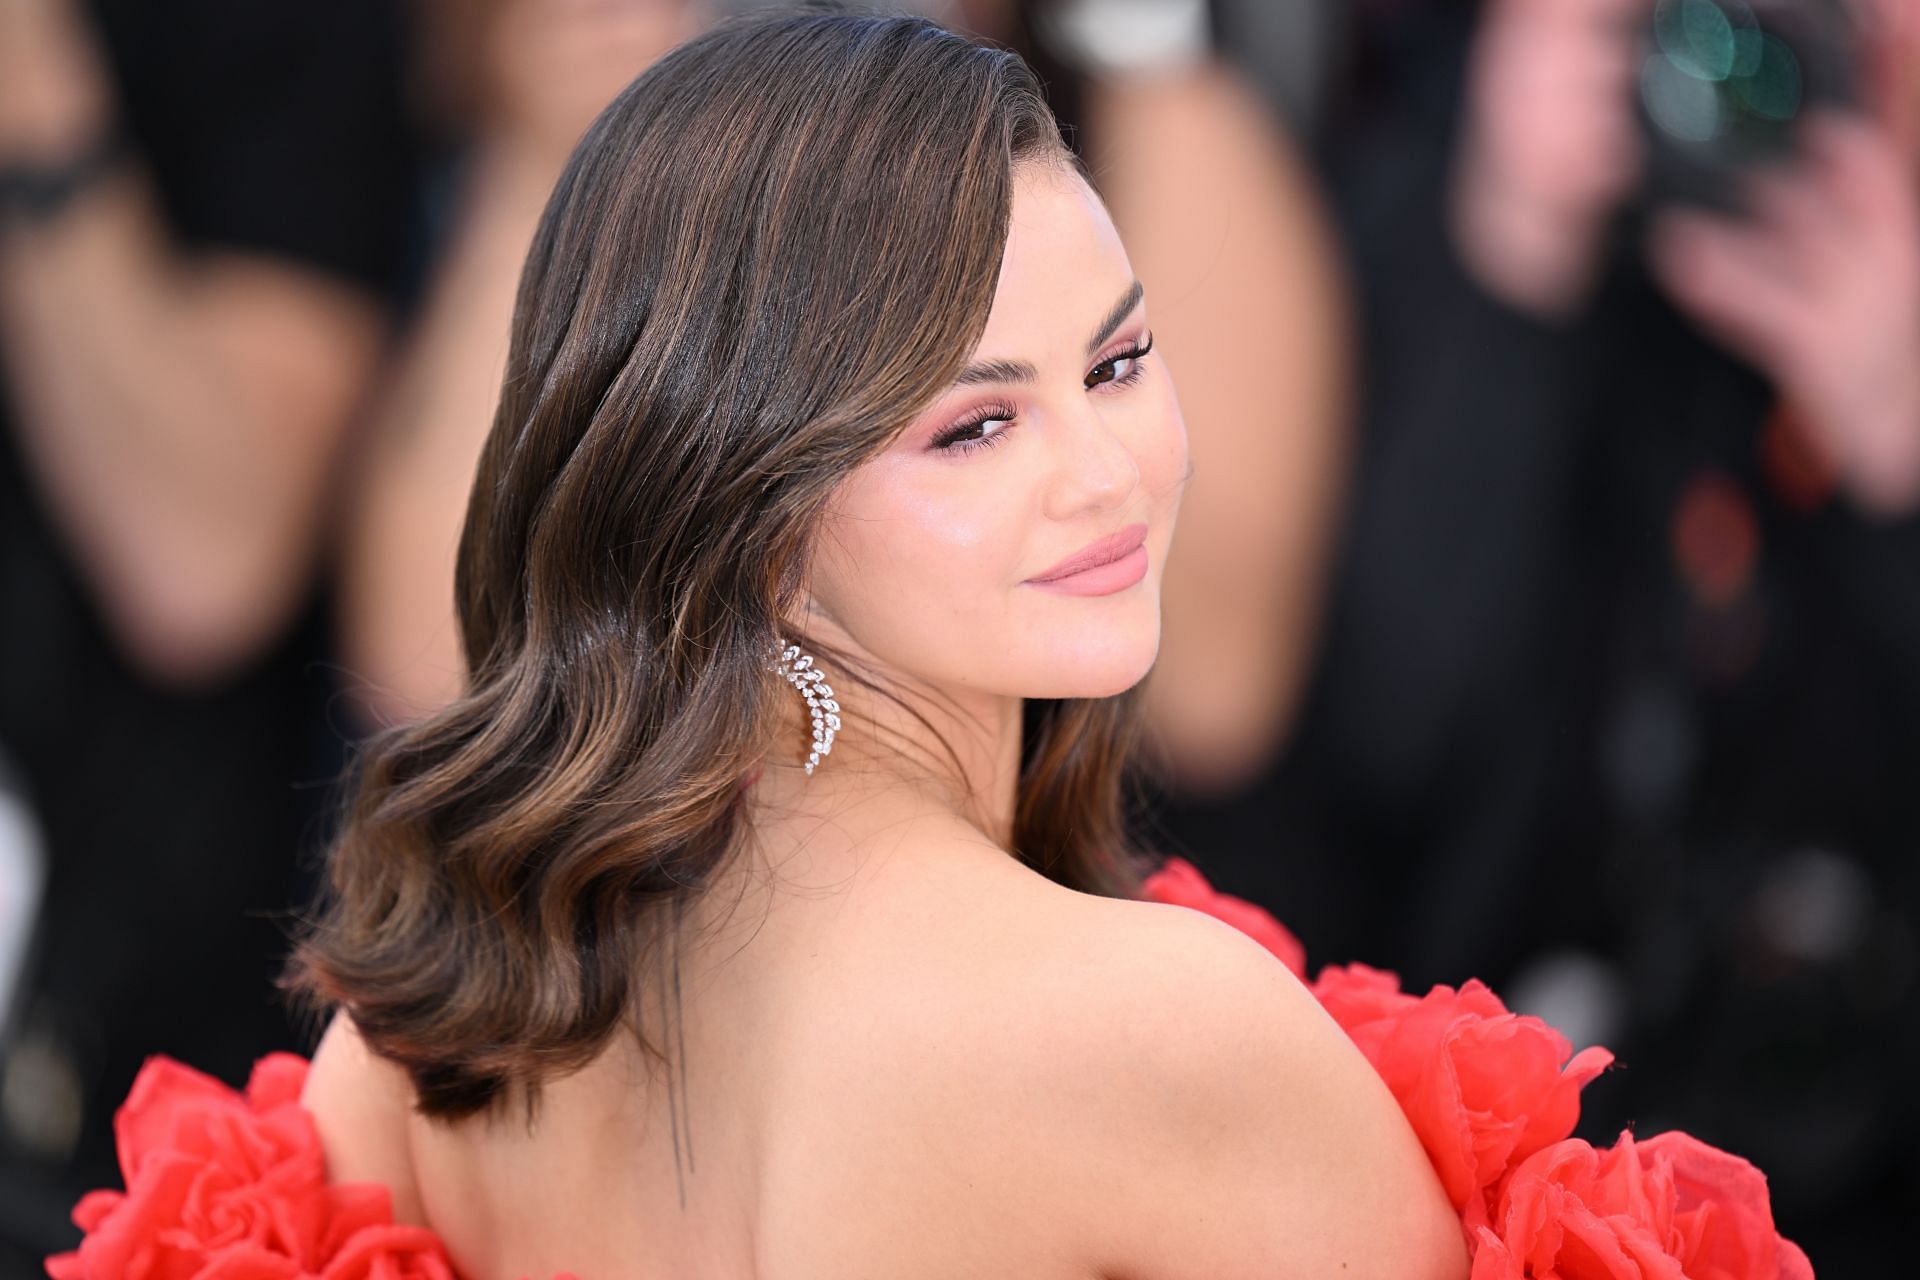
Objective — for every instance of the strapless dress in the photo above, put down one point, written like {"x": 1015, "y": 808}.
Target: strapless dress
{"x": 232, "y": 1185}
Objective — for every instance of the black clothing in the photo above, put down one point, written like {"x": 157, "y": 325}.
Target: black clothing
{"x": 175, "y": 821}
{"x": 1533, "y": 730}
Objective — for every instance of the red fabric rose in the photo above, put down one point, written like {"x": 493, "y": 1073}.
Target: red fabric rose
{"x": 1358, "y": 996}
{"x": 1493, "y": 1097}
{"x": 1179, "y": 883}
{"x": 390, "y": 1252}
{"x": 211, "y": 1177}
{"x": 1670, "y": 1208}
{"x": 1483, "y": 1088}
{"x": 1723, "y": 1216}
{"x": 222, "y": 1186}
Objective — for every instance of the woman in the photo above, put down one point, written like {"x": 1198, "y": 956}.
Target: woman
{"x": 1221, "y": 222}
{"x": 825, "y": 340}
{"x": 659, "y": 953}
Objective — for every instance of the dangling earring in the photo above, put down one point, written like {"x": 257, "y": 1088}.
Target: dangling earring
{"x": 797, "y": 669}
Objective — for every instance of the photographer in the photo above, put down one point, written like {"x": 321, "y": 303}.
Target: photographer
{"x": 1815, "y": 280}
{"x": 1619, "y": 701}
{"x": 203, "y": 215}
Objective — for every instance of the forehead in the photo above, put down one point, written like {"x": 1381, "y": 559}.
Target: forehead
{"x": 1063, "y": 265}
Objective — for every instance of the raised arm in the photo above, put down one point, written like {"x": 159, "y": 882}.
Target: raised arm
{"x": 546, "y": 69}
{"x": 410, "y": 484}
{"x": 180, "y": 410}
{"x": 1250, "y": 306}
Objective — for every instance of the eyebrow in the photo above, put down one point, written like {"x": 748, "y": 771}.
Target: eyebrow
{"x": 1021, "y": 371}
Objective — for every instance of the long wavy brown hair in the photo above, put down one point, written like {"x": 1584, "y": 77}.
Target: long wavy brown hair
{"x": 769, "y": 253}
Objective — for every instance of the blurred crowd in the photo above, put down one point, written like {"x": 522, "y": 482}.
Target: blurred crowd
{"x": 1546, "y": 606}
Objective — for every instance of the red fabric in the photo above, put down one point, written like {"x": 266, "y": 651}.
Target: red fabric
{"x": 226, "y": 1186}
{"x": 1180, "y": 884}
{"x": 1484, "y": 1088}
{"x": 230, "y": 1186}
{"x": 1493, "y": 1095}
{"x": 1670, "y": 1208}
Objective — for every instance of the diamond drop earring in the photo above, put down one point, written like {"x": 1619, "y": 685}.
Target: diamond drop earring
{"x": 797, "y": 669}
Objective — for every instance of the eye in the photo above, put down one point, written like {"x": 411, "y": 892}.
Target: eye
{"x": 981, "y": 429}
{"x": 1123, "y": 368}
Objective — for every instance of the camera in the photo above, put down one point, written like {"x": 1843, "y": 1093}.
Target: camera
{"x": 1725, "y": 86}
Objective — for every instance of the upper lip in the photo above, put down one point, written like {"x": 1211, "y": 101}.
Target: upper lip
{"x": 1094, "y": 554}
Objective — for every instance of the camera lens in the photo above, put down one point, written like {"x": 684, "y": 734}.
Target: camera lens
{"x": 1725, "y": 84}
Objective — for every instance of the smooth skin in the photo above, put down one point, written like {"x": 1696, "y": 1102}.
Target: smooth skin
{"x": 907, "y": 1054}
{"x": 1226, "y": 230}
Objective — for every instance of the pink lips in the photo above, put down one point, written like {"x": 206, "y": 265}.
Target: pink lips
{"x": 1112, "y": 564}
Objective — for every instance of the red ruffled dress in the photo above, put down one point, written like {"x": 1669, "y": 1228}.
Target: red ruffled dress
{"x": 232, "y": 1186}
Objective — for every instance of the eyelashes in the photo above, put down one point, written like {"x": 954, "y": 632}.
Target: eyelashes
{"x": 1132, "y": 355}
{"x": 967, "y": 434}
{"x": 960, "y": 437}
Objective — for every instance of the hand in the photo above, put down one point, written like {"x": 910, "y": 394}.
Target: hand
{"x": 54, "y": 94}
{"x": 552, "y": 65}
{"x": 1892, "y": 29}
{"x": 1819, "y": 286}
{"x": 1550, "y": 147}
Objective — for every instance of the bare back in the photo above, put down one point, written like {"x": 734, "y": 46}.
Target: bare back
{"x": 944, "y": 1066}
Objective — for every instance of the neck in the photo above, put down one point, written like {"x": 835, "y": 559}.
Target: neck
{"x": 931, "y": 751}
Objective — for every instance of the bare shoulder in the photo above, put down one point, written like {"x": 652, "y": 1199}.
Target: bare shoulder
{"x": 362, "y": 1106}
{"x": 1261, "y": 1143}
{"x": 1151, "y": 1090}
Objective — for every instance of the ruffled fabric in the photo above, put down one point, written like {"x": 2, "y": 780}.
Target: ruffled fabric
{"x": 1494, "y": 1097}
{"x": 232, "y": 1186}
{"x": 1484, "y": 1088}
{"x": 1179, "y": 883}
{"x": 1663, "y": 1209}
{"x": 223, "y": 1185}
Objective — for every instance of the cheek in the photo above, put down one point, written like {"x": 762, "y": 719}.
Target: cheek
{"x": 909, "y": 545}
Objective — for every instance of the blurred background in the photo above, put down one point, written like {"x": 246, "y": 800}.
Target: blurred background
{"x": 1546, "y": 607}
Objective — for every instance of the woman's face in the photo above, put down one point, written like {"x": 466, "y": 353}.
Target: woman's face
{"x": 1011, "y": 539}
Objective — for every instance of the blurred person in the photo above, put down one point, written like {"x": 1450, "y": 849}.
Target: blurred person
{"x": 201, "y": 207}
{"x": 1226, "y": 224}
{"x": 1815, "y": 280}
{"x": 1228, "y": 230}
{"x": 1292, "y": 49}
{"x": 1619, "y": 700}
{"x": 1817, "y": 283}
{"x": 512, "y": 85}
{"x": 653, "y": 953}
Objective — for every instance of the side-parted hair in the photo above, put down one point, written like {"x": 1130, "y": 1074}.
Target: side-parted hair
{"x": 772, "y": 251}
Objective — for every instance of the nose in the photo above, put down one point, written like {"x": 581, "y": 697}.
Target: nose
{"x": 1094, "y": 468}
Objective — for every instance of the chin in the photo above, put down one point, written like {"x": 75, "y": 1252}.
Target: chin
{"x": 1103, "y": 666}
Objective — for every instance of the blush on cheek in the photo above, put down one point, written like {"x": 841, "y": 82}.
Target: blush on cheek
{"x": 965, "y": 521}
{"x": 918, "y": 551}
